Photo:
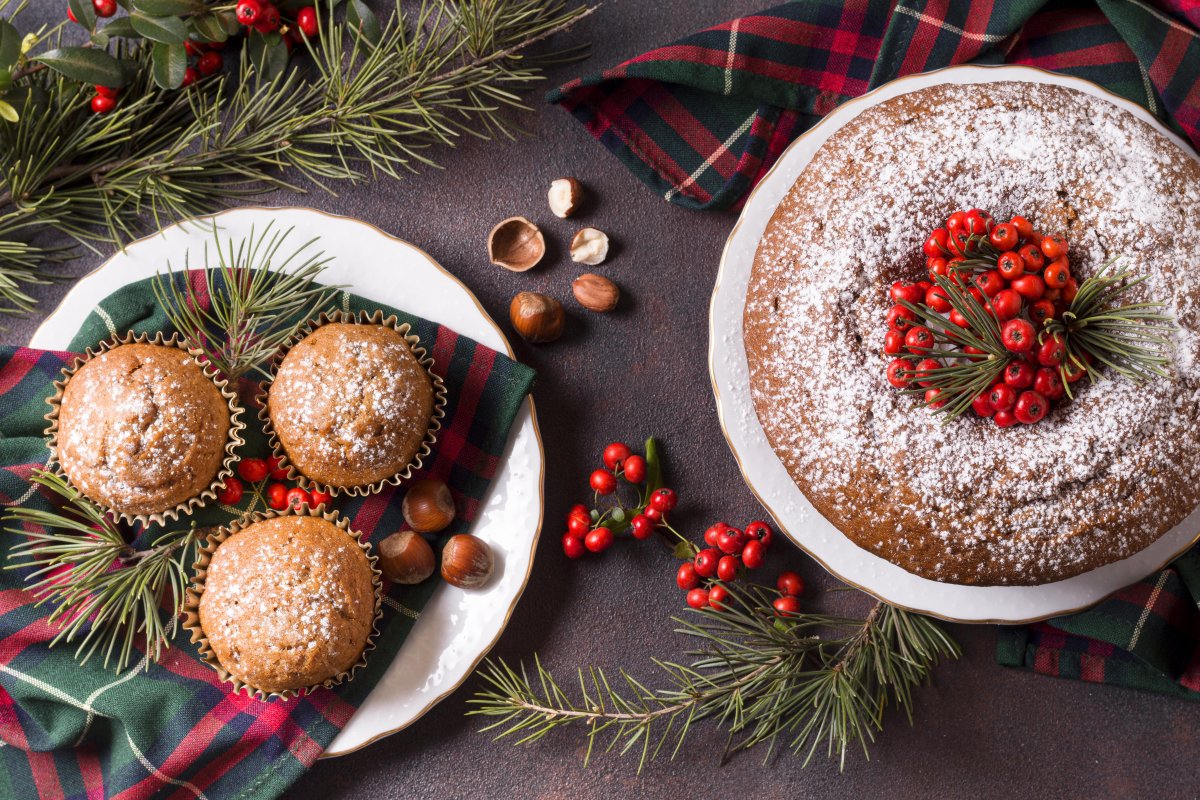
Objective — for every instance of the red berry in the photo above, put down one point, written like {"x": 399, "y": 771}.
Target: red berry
{"x": 252, "y": 470}
{"x": 918, "y": 340}
{"x": 1002, "y": 397}
{"x": 1005, "y": 419}
{"x": 616, "y": 453}
{"x": 731, "y": 540}
{"x": 893, "y": 343}
{"x": 71, "y": 15}
{"x": 1019, "y": 374}
{"x": 1049, "y": 383}
{"x": 231, "y": 492}
{"x": 653, "y": 513}
{"x": 959, "y": 244}
{"x": 697, "y": 598}
{"x": 982, "y": 405}
{"x": 991, "y": 283}
{"x": 277, "y": 496}
{"x": 761, "y": 531}
{"x": 937, "y": 266}
{"x": 977, "y": 221}
{"x": 727, "y": 568}
{"x": 1024, "y": 227}
{"x": 102, "y": 104}
{"x": 572, "y": 545}
{"x": 1073, "y": 370}
{"x": 937, "y": 299}
{"x": 924, "y": 368}
{"x": 686, "y": 576}
{"x": 1004, "y": 236}
{"x": 789, "y": 583}
{"x": 716, "y": 596}
{"x": 663, "y": 500}
{"x": 248, "y": 12}
{"x": 1052, "y": 351}
{"x": 1069, "y": 290}
{"x": 578, "y": 526}
{"x": 786, "y": 606}
{"x": 277, "y": 472}
{"x": 931, "y": 399}
{"x": 209, "y": 63}
{"x": 713, "y": 533}
{"x": 318, "y": 498}
{"x": 642, "y": 527}
{"x": 898, "y": 373}
{"x": 1006, "y": 304}
{"x": 190, "y": 76}
{"x": 306, "y": 21}
{"x": 753, "y": 553}
{"x": 107, "y": 91}
{"x": 957, "y": 222}
{"x": 1031, "y": 407}
{"x": 603, "y": 482}
{"x": 1018, "y": 335}
{"x": 1057, "y": 274}
{"x": 1030, "y": 287}
{"x": 105, "y": 8}
{"x": 902, "y": 290}
{"x": 296, "y": 497}
{"x": 598, "y": 540}
{"x": 268, "y": 20}
{"x": 1053, "y": 248}
{"x": 634, "y": 469}
{"x": 935, "y": 245}
{"x": 1041, "y": 311}
{"x": 901, "y": 318}
{"x": 1010, "y": 266}
{"x": 706, "y": 562}
{"x": 1032, "y": 258}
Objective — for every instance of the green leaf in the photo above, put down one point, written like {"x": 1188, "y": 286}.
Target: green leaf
{"x": 684, "y": 550}
{"x": 10, "y": 43}
{"x": 268, "y": 54}
{"x": 618, "y": 515}
{"x": 166, "y": 30}
{"x": 654, "y": 478}
{"x": 5, "y": 80}
{"x": 7, "y": 112}
{"x": 167, "y": 8}
{"x": 229, "y": 22}
{"x": 85, "y": 64}
{"x": 363, "y": 19}
{"x": 84, "y": 12}
{"x": 169, "y": 64}
{"x": 123, "y": 27}
{"x": 209, "y": 28}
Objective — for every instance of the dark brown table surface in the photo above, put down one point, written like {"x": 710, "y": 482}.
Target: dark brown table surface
{"x": 979, "y": 730}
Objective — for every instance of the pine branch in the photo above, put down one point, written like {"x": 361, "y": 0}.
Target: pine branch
{"x": 105, "y": 594}
{"x": 810, "y": 680}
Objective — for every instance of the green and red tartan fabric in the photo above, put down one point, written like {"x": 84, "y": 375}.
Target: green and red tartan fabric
{"x": 701, "y": 120}
{"x": 71, "y": 731}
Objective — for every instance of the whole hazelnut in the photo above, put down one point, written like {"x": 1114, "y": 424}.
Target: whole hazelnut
{"x": 595, "y": 292}
{"x": 537, "y": 317}
{"x": 428, "y": 506}
{"x": 589, "y": 246}
{"x": 565, "y": 197}
{"x": 516, "y": 244}
{"x": 466, "y": 561}
{"x": 406, "y": 558}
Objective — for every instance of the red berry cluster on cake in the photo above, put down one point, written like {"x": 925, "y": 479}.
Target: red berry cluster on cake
{"x": 879, "y": 252}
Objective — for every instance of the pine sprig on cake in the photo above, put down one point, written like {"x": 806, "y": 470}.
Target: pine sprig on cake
{"x": 106, "y": 595}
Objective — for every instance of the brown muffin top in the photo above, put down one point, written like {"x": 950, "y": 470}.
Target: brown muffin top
{"x": 351, "y": 404}
{"x": 141, "y": 429}
{"x": 966, "y": 502}
{"x": 288, "y": 603}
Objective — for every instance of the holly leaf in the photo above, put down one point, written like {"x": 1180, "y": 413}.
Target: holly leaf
{"x": 10, "y": 43}
{"x": 268, "y": 54}
{"x": 209, "y": 28}
{"x": 121, "y": 26}
{"x": 363, "y": 20}
{"x": 166, "y": 30}
{"x": 85, "y": 64}
{"x": 167, "y": 8}
{"x": 84, "y": 11}
{"x": 169, "y": 62}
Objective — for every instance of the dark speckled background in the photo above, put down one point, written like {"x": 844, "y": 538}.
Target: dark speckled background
{"x": 980, "y": 730}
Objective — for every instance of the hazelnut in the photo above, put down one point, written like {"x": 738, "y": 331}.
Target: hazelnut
{"x": 537, "y": 317}
{"x": 589, "y": 246}
{"x": 516, "y": 244}
{"x": 428, "y": 506}
{"x": 466, "y": 561}
{"x": 406, "y": 558}
{"x": 565, "y": 197}
{"x": 595, "y": 292}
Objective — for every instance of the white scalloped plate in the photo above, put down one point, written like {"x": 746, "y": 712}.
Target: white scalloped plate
{"x": 456, "y": 628}
{"x": 766, "y": 475}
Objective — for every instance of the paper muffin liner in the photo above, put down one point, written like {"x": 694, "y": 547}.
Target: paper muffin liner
{"x": 234, "y": 438}
{"x": 435, "y": 419}
{"x": 191, "y": 604}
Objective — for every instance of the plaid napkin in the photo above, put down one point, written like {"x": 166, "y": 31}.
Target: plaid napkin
{"x": 701, "y": 120}
{"x": 175, "y": 731}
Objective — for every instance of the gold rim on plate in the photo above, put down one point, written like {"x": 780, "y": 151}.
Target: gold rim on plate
{"x": 712, "y": 347}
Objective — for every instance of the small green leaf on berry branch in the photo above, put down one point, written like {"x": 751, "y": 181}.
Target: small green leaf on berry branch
{"x": 165, "y": 30}
{"x": 10, "y": 44}
{"x": 85, "y": 64}
{"x": 363, "y": 19}
{"x": 166, "y": 8}
{"x": 84, "y": 11}
{"x": 122, "y": 27}
{"x": 684, "y": 550}
{"x": 654, "y": 479}
{"x": 8, "y": 113}
{"x": 268, "y": 54}
{"x": 209, "y": 27}
{"x": 170, "y": 65}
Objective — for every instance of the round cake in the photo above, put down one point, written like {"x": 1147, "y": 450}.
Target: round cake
{"x": 351, "y": 404}
{"x": 288, "y": 603}
{"x": 141, "y": 429}
{"x": 968, "y": 502}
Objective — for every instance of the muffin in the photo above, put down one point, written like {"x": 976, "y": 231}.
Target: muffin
{"x": 352, "y": 405}
{"x": 287, "y": 603}
{"x": 141, "y": 429}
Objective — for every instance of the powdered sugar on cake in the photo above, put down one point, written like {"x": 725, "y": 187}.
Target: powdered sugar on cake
{"x": 967, "y": 502}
